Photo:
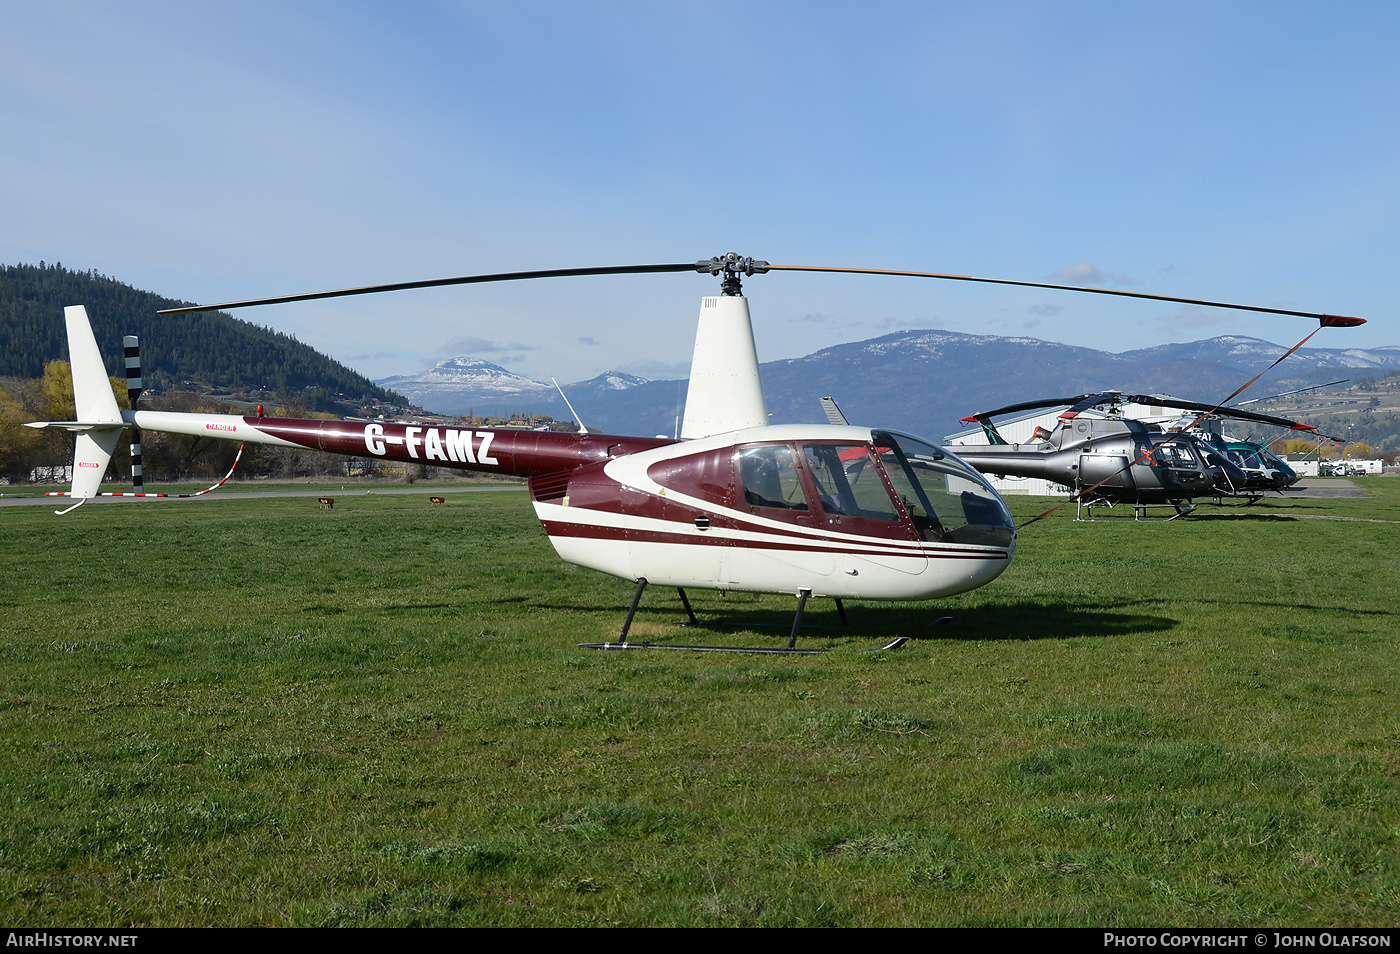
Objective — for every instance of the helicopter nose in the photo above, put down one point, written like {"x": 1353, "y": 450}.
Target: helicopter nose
{"x": 1230, "y": 472}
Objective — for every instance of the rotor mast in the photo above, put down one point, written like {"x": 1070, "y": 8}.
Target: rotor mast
{"x": 725, "y": 391}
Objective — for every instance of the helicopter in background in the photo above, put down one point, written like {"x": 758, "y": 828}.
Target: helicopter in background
{"x": 1265, "y": 469}
{"x": 1107, "y": 458}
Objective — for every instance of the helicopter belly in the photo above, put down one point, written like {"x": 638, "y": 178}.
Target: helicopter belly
{"x": 667, "y": 553}
{"x": 773, "y": 560}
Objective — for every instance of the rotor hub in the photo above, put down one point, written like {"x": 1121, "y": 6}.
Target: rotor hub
{"x": 731, "y": 266}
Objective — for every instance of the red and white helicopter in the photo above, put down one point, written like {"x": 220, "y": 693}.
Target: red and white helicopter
{"x": 736, "y": 504}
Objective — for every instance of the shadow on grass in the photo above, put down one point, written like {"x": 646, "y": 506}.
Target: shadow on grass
{"x": 1019, "y": 621}
{"x": 1259, "y": 517}
{"x": 1288, "y": 606}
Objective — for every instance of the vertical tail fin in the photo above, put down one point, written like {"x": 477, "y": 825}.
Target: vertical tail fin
{"x": 96, "y": 405}
{"x": 92, "y": 391}
{"x": 833, "y": 413}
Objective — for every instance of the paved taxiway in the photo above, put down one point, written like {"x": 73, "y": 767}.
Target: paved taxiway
{"x": 345, "y": 495}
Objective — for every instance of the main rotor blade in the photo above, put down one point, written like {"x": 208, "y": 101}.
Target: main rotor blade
{"x": 1340, "y": 321}
{"x": 1315, "y": 387}
{"x": 1034, "y": 405}
{"x": 436, "y": 283}
{"x": 1328, "y": 321}
{"x": 1166, "y": 400}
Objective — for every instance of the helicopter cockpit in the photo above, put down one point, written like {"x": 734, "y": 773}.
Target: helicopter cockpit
{"x": 1265, "y": 469}
{"x": 1189, "y": 466}
{"x": 855, "y": 486}
{"x": 947, "y": 500}
{"x": 1245, "y": 457}
{"x": 889, "y": 485}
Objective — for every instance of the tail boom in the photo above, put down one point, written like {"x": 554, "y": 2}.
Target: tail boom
{"x": 509, "y": 452}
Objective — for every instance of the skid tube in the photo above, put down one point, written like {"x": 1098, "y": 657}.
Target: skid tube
{"x": 789, "y": 650}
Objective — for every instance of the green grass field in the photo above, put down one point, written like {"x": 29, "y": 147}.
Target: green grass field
{"x": 260, "y": 712}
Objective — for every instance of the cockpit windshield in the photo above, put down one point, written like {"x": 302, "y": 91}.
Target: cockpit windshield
{"x": 947, "y": 500}
{"x": 1277, "y": 463}
{"x": 1246, "y": 458}
{"x": 1177, "y": 453}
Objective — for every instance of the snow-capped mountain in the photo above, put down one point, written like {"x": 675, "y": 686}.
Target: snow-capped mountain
{"x": 463, "y": 384}
{"x": 467, "y": 374}
{"x": 922, "y": 381}
{"x": 1240, "y": 351}
{"x": 612, "y": 381}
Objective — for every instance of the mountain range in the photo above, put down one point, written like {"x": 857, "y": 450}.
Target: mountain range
{"x": 921, "y": 381}
{"x": 208, "y": 352}
{"x": 469, "y": 385}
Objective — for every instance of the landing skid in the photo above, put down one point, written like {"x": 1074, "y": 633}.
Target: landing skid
{"x": 1249, "y": 500}
{"x": 757, "y": 650}
{"x": 1084, "y": 509}
{"x": 789, "y": 650}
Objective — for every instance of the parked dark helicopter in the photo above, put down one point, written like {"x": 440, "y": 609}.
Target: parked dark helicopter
{"x": 1263, "y": 469}
{"x": 1112, "y": 459}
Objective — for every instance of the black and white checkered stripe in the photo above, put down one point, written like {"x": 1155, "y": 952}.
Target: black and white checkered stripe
{"x": 133, "y": 368}
{"x": 132, "y": 349}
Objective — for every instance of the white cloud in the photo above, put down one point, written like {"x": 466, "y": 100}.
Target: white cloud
{"x": 470, "y": 344}
{"x": 1087, "y": 273}
{"x": 1190, "y": 317}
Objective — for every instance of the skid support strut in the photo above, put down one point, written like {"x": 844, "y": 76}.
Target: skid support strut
{"x": 791, "y": 649}
{"x": 802, "y": 596}
{"x": 688, "y": 611}
{"x": 636, "y": 598}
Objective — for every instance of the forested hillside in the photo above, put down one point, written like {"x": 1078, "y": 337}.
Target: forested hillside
{"x": 212, "y": 351}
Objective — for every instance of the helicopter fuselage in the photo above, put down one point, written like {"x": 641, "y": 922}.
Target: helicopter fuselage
{"x": 1114, "y": 460}
{"x": 836, "y": 511}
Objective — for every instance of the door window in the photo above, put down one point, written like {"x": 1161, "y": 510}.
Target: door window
{"x": 848, "y": 483}
{"x": 770, "y": 478}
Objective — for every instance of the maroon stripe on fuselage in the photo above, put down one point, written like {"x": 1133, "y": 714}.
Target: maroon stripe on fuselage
{"x": 557, "y": 528}
{"x": 516, "y": 453}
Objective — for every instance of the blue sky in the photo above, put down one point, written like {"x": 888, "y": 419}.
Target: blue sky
{"x": 1242, "y": 152}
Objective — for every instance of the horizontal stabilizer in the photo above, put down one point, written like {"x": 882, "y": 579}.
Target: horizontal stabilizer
{"x": 78, "y": 425}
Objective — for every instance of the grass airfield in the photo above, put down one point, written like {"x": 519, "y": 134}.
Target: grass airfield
{"x": 261, "y": 712}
